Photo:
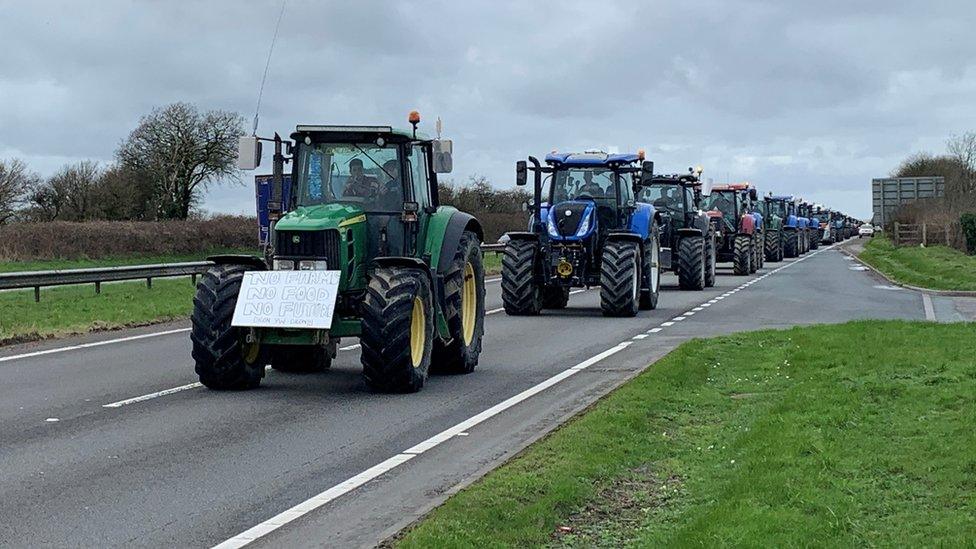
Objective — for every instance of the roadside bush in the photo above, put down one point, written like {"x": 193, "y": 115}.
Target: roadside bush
{"x": 99, "y": 239}
{"x": 499, "y": 211}
{"x": 968, "y": 222}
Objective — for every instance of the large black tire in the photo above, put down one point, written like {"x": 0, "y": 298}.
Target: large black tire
{"x": 650, "y": 289}
{"x": 691, "y": 263}
{"x": 620, "y": 278}
{"x": 223, "y": 358}
{"x": 815, "y": 237}
{"x": 792, "y": 246}
{"x": 465, "y": 280}
{"x": 521, "y": 292}
{"x": 742, "y": 255}
{"x": 555, "y": 297}
{"x": 398, "y": 330}
{"x": 757, "y": 252}
{"x": 711, "y": 249}
{"x": 302, "y": 359}
{"x": 773, "y": 244}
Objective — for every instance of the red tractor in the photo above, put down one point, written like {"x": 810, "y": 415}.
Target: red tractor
{"x": 732, "y": 209}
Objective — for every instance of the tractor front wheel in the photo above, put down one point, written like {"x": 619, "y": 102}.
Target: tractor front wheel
{"x": 792, "y": 247}
{"x": 710, "y": 251}
{"x": 691, "y": 263}
{"x": 223, "y": 356}
{"x": 555, "y": 297}
{"x": 303, "y": 359}
{"x": 742, "y": 258}
{"x": 464, "y": 309}
{"x": 521, "y": 292}
{"x": 651, "y": 272}
{"x": 757, "y": 253}
{"x": 620, "y": 278}
{"x": 398, "y": 330}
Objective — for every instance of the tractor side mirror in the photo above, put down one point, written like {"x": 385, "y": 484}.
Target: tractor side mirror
{"x": 443, "y": 161}
{"x": 248, "y": 153}
{"x": 647, "y": 170}
{"x": 753, "y": 194}
{"x": 706, "y": 188}
{"x": 521, "y": 173}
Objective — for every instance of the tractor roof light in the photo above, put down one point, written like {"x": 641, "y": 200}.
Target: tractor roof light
{"x": 640, "y": 154}
{"x": 414, "y": 119}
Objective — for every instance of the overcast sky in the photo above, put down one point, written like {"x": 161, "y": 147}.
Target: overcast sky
{"x": 810, "y": 98}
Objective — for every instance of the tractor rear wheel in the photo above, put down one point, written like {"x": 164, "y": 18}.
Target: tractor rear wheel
{"x": 620, "y": 278}
{"x": 742, "y": 258}
{"x": 521, "y": 293}
{"x": 815, "y": 240}
{"x": 691, "y": 263}
{"x": 464, "y": 309}
{"x": 555, "y": 297}
{"x": 757, "y": 252}
{"x": 223, "y": 357}
{"x": 651, "y": 272}
{"x": 398, "y": 330}
{"x": 710, "y": 251}
{"x": 302, "y": 359}
{"x": 772, "y": 246}
{"x": 792, "y": 247}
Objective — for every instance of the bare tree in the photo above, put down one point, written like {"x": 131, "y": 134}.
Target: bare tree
{"x": 962, "y": 148}
{"x": 69, "y": 195}
{"x": 15, "y": 182}
{"x": 179, "y": 151}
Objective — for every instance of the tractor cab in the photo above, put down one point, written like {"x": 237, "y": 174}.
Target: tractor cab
{"x": 675, "y": 197}
{"x": 733, "y": 203}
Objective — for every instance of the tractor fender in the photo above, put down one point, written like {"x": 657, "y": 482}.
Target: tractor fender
{"x": 444, "y": 233}
{"x": 640, "y": 220}
{"x": 519, "y": 235}
{"x": 689, "y": 231}
{"x": 239, "y": 259}
{"x": 747, "y": 225}
{"x": 627, "y": 235}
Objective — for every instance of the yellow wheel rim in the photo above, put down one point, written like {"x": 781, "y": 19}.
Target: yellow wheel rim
{"x": 469, "y": 304}
{"x": 250, "y": 352}
{"x": 418, "y": 332}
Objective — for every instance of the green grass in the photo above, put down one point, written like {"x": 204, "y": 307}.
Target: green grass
{"x": 493, "y": 263}
{"x": 858, "y": 434}
{"x": 52, "y": 264}
{"x": 69, "y": 310}
{"x": 933, "y": 267}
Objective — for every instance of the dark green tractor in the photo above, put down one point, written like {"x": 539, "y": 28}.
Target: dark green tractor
{"x": 775, "y": 239}
{"x": 689, "y": 239}
{"x": 362, "y": 207}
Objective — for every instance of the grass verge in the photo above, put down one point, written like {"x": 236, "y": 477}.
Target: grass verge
{"x": 858, "y": 434}
{"x": 67, "y": 310}
{"x": 933, "y": 267}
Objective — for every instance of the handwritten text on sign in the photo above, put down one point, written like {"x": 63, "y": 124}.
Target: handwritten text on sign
{"x": 287, "y": 299}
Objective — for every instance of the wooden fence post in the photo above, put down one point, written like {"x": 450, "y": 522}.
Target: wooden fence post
{"x": 924, "y": 235}
{"x": 897, "y": 232}
{"x": 947, "y": 236}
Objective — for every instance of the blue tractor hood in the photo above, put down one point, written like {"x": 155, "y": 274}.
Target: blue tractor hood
{"x": 571, "y": 220}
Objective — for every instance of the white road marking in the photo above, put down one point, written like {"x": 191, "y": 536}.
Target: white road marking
{"x": 892, "y": 288}
{"x": 52, "y": 420}
{"x": 93, "y": 344}
{"x": 858, "y": 268}
{"x": 696, "y": 309}
{"x": 496, "y": 279}
{"x": 493, "y": 311}
{"x": 313, "y": 503}
{"x": 654, "y": 330}
{"x": 709, "y": 304}
{"x": 150, "y": 396}
{"x": 678, "y": 318}
{"x": 927, "y": 304}
{"x": 639, "y": 336}
{"x": 666, "y": 324}
{"x": 352, "y": 347}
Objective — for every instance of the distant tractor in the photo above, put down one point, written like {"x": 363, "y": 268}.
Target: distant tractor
{"x": 407, "y": 277}
{"x": 774, "y": 238}
{"x": 688, "y": 237}
{"x": 813, "y": 225}
{"x": 589, "y": 230}
{"x": 794, "y": 227}
{"x": 740, "y": 225}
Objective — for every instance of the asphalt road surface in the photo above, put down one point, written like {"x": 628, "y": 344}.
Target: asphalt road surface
{"x": 109, "y": 442}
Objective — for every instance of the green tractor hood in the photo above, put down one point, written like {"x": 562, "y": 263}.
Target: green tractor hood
{"x": 317, "y": 218}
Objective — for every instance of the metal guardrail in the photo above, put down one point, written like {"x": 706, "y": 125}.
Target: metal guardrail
{"x": 98, "y": 275}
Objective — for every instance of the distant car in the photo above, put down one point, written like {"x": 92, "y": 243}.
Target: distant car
{"x": 865, "y": 230}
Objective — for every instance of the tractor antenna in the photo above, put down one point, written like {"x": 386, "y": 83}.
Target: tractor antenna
{"x": 267, "y": 65}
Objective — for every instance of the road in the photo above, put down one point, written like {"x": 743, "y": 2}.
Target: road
{"x": 197, "y": 468}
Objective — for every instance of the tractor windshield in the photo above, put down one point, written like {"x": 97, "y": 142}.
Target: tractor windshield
{"x": 363, "y": 174}
{"x": 664, "y": 196}
{"x": 597, "y": 184}
{"x": 777, "y": 208}
{"x": 722, "y": 201}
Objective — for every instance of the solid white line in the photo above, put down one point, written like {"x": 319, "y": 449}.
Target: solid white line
{"x": 93, "y": 344}
{"x": 313, "y": 503}
{"x": 493, "y": 311}
{"x": 153, "y": 395}
{"x": 927, "y": 304}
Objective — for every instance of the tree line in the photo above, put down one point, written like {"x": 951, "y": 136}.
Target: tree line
{"x": 957, "y": 165}
{"x": 160, "y": 172}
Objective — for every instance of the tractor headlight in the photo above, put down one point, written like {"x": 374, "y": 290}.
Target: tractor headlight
{"x": 584, "y": 225}
{"x": 553, "y": 231}
{"x": 283, "y": 265}
{"x": 310, "y": 265}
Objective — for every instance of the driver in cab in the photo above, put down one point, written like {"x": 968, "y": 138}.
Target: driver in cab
{"x": 590, "y": 187}
{"x": 358, "y": 184}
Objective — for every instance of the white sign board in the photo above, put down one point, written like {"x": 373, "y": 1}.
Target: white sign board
{"x": 287, "y": 299}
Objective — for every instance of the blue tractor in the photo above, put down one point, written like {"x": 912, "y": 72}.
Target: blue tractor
{"x": 588, "y": 231}
{"x": 794, "y": 226}
{"x": 813, "y": 225}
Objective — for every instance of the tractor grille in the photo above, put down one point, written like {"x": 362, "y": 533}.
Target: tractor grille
{"x": 323, "y": 244}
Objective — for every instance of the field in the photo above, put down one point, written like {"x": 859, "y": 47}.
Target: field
{"x": 857, "y": 434}
{"x": 933, "y": 267}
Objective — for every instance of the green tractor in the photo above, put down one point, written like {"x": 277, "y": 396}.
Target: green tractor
{"x": 775, "y": 239}
{"x": 359, "y": 247}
